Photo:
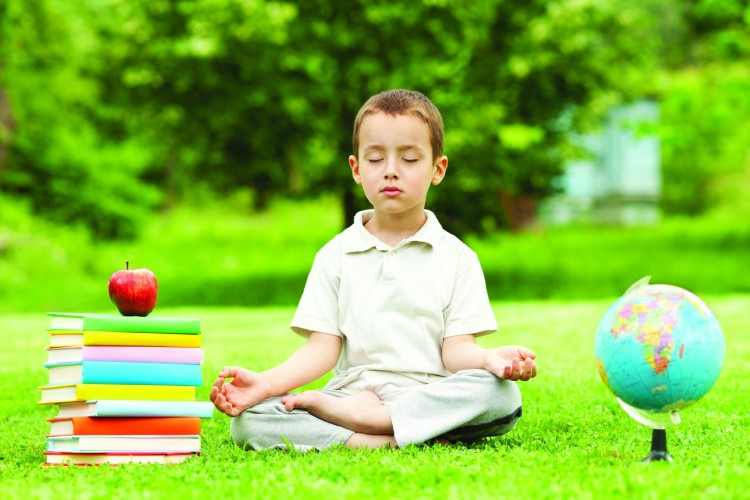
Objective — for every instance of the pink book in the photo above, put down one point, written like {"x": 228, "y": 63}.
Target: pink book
{"x": 183, "y": 355}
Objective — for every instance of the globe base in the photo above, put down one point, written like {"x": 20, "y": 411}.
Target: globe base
{"x": 658, "y": 451}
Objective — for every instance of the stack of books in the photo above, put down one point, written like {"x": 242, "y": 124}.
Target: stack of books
{"x": 125, "y": 389}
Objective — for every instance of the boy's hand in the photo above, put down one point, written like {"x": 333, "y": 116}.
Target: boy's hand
{"x": 246, "y": 389}
{"x": 512, "y": 362}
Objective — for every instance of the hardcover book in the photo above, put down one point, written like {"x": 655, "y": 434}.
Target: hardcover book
{"x": 124, "y": 425}
{"x": 116, "y": 372}
{"x": 67, "y": 338}
{"x": 114, "y": 458}
{"x": 52, "y": 394}
{"x": 119, "y": 323}
{"x": 136, "y": 408}
{"x": 140, "y": 354}
{"x": 99, "y": 444}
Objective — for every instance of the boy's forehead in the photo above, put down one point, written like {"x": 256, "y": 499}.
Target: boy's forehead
{"x": 410, "y": 128}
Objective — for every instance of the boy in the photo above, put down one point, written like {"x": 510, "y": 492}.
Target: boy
{"x": 394, "y": 303}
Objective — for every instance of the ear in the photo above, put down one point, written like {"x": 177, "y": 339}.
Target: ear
{"x": 354, "y": 164}
{"x": 441, "y": 166}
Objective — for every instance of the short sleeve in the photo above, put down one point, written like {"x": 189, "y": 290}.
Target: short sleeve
{"x": 469, "y": 310}
{"x": 318, "y": 309}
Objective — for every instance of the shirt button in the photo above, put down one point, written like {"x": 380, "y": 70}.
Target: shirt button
{"x": 391, "y": 254}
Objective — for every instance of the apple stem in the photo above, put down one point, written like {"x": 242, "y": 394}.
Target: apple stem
{"x": 126, "y": 265}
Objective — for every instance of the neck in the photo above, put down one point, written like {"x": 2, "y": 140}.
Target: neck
{"x": 392, "y": 229}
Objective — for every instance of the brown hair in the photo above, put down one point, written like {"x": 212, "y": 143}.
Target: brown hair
{"x": 402, "y": 102}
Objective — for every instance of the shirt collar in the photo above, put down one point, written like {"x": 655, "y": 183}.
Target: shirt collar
{"x": 358, "y": 239}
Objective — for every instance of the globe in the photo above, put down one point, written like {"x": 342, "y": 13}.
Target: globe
{"x": 659, "y": 348}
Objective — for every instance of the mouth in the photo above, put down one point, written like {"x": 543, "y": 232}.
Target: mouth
{"x": 391, "y": 191}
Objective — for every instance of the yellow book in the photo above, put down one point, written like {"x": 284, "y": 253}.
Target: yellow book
{"x": 59, "y": 338}
{"x": 64, "y": 393}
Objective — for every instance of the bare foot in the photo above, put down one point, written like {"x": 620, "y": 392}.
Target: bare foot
{"x": 370, "y": 441}
{"x": 361, "y": 412}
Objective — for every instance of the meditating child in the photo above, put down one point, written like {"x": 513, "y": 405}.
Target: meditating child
{"x": 393, "y": 305}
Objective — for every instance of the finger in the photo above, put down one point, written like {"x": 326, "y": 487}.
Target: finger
{"x": 526, "y": 370}
{"x": 230, "y": 371}
{"x": 214, "y": 392}
{"x": 218, "y": 383}
{"x": 510, "y": 371}
{"x": 515, "y": 369}
{"x": 507, "y": 372}
{"x": 533, "y": 370}
{"x": 219, "y": 401}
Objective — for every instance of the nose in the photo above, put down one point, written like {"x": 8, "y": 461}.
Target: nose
{"x": 391, "y": 169}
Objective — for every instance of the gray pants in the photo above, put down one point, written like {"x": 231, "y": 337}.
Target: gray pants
{"x": 467, "y": 406}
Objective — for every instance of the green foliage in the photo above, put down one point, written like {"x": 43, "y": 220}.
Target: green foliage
{"x": 60, "y": 159}
{"x": 263, "y": 94}
{"x": 705, "y": 106}
{"x": 572, "y": 442}
{"x": 705, "y": 139}
{"x": 109, "y": 109}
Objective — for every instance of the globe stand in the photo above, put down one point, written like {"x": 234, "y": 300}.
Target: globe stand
{"x": 658, "y": 451}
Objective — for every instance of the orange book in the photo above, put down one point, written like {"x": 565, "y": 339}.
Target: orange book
{"x": 75, "y": 426}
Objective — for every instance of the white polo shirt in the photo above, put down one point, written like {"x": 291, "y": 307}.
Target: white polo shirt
{"x": 393, "y": 307}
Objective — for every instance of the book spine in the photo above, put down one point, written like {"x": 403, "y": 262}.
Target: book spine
{"x": 113, "y": 372}
{"x": 136, "y": 425}
{"x": 135, "y": 324}
{"x": 111, "y": 408}
{"x": 135, "y": 392}
{"x": 143, "y": 354}
{"x": 141, "y": 339}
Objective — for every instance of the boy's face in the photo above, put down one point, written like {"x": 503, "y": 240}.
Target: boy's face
{"x": 394, "y": 163}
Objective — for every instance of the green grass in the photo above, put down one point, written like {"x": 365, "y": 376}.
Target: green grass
{"x": 573, "y": 441}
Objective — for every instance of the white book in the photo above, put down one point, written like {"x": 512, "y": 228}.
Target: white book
{"x": 128, "y": 443}
{"x": 135, "y": 408}
{"x": 61, "y": 458}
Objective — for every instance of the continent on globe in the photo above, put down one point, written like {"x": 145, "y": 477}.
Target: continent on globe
{"x": 652, "y": 323}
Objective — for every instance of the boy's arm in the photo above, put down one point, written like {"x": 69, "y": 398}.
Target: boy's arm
{"x": 513, "y": 362}
{"x": 310, "y": 362}
{"x": 247, "y": 388}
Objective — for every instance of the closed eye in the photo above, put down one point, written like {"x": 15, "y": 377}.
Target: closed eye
{"x": 411, "y": 160}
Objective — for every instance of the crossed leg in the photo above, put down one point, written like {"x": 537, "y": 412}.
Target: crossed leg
{"x": 362, "y": 413}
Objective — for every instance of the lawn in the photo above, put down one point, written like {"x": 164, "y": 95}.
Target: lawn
{"x": 573, "y": 441}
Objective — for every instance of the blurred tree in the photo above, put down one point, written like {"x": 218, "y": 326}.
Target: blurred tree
{"x": 198, "y": 81}
{"x": 503, "y": 72}
{"x": 704, "y": 87}
{"x": 58, "y": 158}
{"x": 262, "y": 94}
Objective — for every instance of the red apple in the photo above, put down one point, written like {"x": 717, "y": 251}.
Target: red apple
{"x": 133, "y": 291}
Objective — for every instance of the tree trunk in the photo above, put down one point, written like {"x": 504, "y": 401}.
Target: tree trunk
{"x": 519, "y": 210}
{"x": 7, "y": 126}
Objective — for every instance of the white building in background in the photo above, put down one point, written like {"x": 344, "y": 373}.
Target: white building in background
{"x": 620, "y": 181}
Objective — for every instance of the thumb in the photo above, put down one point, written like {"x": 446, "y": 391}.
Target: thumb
{"x": 526, "y": 353}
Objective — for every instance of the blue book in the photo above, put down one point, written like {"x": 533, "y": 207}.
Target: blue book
{"x": 126, "y": 373}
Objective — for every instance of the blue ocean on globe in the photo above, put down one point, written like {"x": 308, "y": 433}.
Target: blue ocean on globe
{"x": 659, "y": 348}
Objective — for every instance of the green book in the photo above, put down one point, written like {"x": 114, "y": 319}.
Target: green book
{"x": 119, "y": 323}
